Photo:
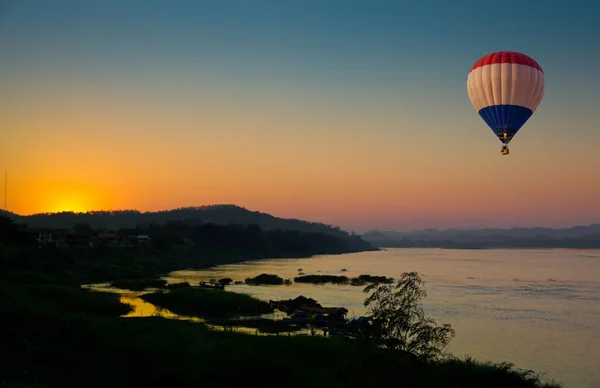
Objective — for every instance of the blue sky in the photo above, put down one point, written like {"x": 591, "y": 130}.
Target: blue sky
{"x": 377, "y": 47}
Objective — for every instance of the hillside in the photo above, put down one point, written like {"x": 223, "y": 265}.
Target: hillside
{"x": 216, "y": 214}
{"x": 536, "y": 237}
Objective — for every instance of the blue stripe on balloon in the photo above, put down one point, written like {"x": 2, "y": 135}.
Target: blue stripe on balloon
{"x": 505, "y": 118}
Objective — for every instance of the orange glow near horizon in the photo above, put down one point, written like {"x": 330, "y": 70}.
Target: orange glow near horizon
{"x": 350, "y": 197}
{"x": 355, "y": 157}
{"x": 70, "y": 201}
{"x": 56, "y": 197}
{"x": 346, "y": 178}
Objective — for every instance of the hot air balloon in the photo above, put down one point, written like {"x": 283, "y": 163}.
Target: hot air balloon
{"x": 505, "y": 88}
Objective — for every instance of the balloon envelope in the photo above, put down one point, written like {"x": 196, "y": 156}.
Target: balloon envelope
{"x": 505, "y": 88}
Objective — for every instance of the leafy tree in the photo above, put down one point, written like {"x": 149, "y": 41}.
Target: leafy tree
{"x": 399, "y": 321}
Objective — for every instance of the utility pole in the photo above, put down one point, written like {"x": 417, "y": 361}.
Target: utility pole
{"x": 5, "y": 185}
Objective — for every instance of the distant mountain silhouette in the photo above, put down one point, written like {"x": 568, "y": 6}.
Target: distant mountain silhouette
{"x": 216, "y": 214}
{"x": 536, "y": 237}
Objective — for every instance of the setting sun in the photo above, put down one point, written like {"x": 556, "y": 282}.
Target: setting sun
{"x": 69, "y": 201}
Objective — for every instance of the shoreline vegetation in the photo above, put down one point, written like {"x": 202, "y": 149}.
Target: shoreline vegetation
{"x": 128, "y": 256}
{"x": 267, "y": 279}
{"x": 262, "y": 279}
{"x": 199, "y": 302}
{"x": 361, "y": 280}
{"x": 59, "y": 334}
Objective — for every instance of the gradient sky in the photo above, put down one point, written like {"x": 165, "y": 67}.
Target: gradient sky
{"x": 348, "y": 112}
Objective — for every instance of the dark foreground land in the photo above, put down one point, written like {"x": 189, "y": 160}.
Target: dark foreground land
{"x": 81, "y": 351}
{"x": 60, "y": 335}
{"x": 64, "y": 336}
{"x": 86, "y": 255}
{"x": 57, "y": 334}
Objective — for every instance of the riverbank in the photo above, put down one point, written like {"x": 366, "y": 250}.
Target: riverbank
{"x": 84, "y": 255}
{"x": 533, "y": 308}
{"x": 121, "y": 265}
{"x": 81, "y": 351}
{"x": 63, "y": 335}
{"x": 72, "y": 337}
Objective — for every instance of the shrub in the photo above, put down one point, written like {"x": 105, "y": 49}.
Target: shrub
{"x": 399, "y": 321}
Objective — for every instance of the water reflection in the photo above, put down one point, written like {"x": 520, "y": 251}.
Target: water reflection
{"x": 141, "y": 308}
{"x": 536, "y": 308}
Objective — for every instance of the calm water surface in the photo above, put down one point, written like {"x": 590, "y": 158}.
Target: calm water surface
{"x": 539, "y": 309}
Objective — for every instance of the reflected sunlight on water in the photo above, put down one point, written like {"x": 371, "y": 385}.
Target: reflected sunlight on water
{"x": 141, "y": 308}
{"x": 536, "y": 308}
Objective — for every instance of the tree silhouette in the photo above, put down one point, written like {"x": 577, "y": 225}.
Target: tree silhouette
{"x": 400, "y": 322}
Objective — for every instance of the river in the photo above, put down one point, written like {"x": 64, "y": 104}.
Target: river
{"x": 539, "y": 309}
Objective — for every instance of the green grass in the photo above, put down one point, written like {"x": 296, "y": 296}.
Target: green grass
{"x": 56, "y": 299}
{"x": 175, "y": 286}
{"x": 207, "y": 303}
{"x": 265, "y": 278}
{"x": 57, "y": 352}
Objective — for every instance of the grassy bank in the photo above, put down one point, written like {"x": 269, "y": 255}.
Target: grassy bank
{"x": 99, "y": 352}
{"x": 60, "y": 335}
{"x": 267, "y": 279}
{"x": 207, "y": 303}
{"x": 57, "y": 300}
{"x": 129, "y": 268}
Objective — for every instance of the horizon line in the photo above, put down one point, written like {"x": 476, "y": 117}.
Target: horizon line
{"x": 292, "y": 218}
